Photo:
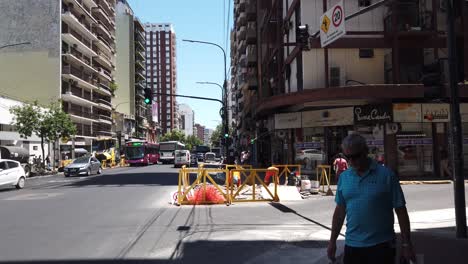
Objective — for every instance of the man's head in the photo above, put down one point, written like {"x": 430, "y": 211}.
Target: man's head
{"x": 355, "y": 149}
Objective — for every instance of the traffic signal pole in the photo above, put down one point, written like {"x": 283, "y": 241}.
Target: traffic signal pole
{"x": 456, "y": 130}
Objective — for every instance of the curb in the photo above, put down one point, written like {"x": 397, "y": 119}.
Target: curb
{"x": 426, "y": 182}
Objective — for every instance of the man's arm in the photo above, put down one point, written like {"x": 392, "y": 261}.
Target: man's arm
{"x": 404, "y": 222}
{"x": 337, "y": 222}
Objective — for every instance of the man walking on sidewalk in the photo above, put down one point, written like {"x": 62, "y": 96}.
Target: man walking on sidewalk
{"x": 366, "y": 195}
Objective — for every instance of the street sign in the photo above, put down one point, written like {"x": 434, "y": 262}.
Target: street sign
{"x": 332, "y": 25}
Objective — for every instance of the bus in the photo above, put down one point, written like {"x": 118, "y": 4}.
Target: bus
{"x": 200, "y": 151}
{"x": 167, "y": 149}
{"x": 141, "y": 153}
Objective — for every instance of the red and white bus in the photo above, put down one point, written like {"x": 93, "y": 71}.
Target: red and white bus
{"x": 141, "y": 153}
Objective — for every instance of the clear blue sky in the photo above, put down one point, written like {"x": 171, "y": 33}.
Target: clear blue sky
{"x": 198, "y": 20}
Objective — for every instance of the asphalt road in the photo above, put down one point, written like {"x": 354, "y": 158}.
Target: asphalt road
{"x": 124, "y": 216}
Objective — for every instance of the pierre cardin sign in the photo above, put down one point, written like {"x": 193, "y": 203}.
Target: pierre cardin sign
{"x": 372, "y": 114}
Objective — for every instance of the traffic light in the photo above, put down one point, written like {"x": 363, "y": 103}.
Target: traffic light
{"x": 226, "y": 135}
{"x": 252, "y": 141}
{"x": 148, "y": 96}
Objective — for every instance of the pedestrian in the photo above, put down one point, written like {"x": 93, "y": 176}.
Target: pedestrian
{"x": 48, "y": 161}
{"x": 445, "y": 168}
{"x": 339, "y": 165}
{"x": 366, "y": 195}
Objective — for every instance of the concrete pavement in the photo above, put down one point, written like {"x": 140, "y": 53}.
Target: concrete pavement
{"x": 124, "y": 216}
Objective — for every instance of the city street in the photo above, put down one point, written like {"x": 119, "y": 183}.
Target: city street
{"x": 124, "y": 215}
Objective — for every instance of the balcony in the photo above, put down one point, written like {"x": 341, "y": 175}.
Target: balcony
{"x": 104, "y": 31}
{"x": 104, "y": 60}
{"x": 81, "y": 10}
{"x": 241, "y": 5}
{"x": 140, "y": 64}
{"x": 103, "y": 18}
{"x": 104, "y": 119}
{"x": 105, "y": 46}
{"x": 103, "y": 104}
{"x": 139, "y": 45}
{"x": 77, "y": 24}
{"x": 251, "y": 55}
{"x": 74, "y": 57}
{"x": 139, "y": 55}
{"x": 102, "y": 130}
{"x": 243, "y": 60}
{"x": 75, "y": 95}
{"x": 251, "y": 10}
{"x": 74, "y": 39}
{"x": 251, "y": 33}
{"x": 242, "y": 46}
{"x": 241, "y": 32}
{"x": 106, "y": 75}
{"x": 81, "y": 78}
{"x": 104, "y": 88}
{"x": 90, "y": 3}
{"x": 106, "y": 8}
{"x": 139, "y": 93}
{"x": 241, "y": 19}
{"x": 81, "y": 116}
{"x": 140, "y": 76}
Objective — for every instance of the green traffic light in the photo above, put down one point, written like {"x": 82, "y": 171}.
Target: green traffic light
{"x": 226, "y": 135}
{"x": 147, "y": 100}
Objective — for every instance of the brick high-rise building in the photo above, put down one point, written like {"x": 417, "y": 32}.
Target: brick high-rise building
{"x": 161, "y": 71}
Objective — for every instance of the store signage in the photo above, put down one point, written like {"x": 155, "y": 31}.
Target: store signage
{"x": 309, "y": 145}
{"x": 288, "y": 120}
{"x": 436, "y": 113}
{"x": 328, "y": 117}
{"x": 407, "y": 113}
{"x": 415, "y": 141}
{"x": 372, "y": 114}
{"x": 375, "y": 142}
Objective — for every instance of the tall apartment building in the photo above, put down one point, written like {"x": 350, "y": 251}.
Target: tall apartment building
{"x": 207, "y": 136}
{"x": 187, "y": 119}
{"x": 308, "y": 98}
{"x": 131, "y": 75}
{"x": 70, "y": 57}
{"x": 161, "y": 71}
{"x": 199, "y": 131}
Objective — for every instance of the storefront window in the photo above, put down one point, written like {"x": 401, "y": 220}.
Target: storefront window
{"x": 414, "y": 149}
{"x": 309, "y": 150}
{"x": 374, "y": 135}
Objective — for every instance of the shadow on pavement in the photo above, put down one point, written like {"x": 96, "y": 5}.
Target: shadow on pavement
{"x": 126, "y": 179}
{"x": 266, "y": 251}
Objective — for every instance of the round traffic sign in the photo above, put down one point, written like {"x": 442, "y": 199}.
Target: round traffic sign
{"x": 337, "y": 16}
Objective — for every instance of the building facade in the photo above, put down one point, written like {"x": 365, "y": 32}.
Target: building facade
{"x": 71, "y": 56}
{"x": 131, "y": 75}
{"x": 308, "y": 98}
{"x": 199, "y": 131}
{"x": 187, "y": 119}
{"x": 207, "y": 136}
{"x": 161, "y": 71}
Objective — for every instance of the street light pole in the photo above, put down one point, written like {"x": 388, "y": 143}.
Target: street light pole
{"x": 217, "y": 84}
{"x": 226, "y": 117}
{"x": 15, "y": 44}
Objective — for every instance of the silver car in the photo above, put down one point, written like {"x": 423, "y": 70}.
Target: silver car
{"x": 83, "y": 166}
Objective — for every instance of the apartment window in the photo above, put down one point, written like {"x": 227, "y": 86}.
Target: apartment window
{"x": 364, "y": 3}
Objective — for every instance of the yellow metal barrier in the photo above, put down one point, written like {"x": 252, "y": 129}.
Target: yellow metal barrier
{"x": 253, "y": 179}
{"x": 286, "y": 169}
{"x": 123, "y": 163}
{"x": 64, "y": 163}
{"x": 203, "y": 177}
{"x": 103, "y": 164}
{"x": 325, "y": 174}
{"x": 237, "y": 166}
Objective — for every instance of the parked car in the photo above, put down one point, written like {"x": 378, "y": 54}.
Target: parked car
{"x": 309, "y": 155}
{"x": 83, "y": 166}
{"x": 200, "y": 156}
{"x": 182, "y": 157}
{"x": 12, "y": 174}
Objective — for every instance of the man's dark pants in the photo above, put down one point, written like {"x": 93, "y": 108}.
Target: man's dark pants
{"x": 383, "y": 253}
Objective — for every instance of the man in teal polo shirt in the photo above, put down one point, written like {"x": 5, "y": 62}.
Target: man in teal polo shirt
{"x": 367, "y": 194}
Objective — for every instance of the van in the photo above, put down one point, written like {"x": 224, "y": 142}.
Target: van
{"x": 210, "y": 157}
{"x": 182, "y": 157}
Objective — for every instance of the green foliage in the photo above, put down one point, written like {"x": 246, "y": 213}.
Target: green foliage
{"x": 113, "y": 87}
{"x": 177, "y": 135}
{"x": 216, "y": 136}
{"x": 49, "y": 123}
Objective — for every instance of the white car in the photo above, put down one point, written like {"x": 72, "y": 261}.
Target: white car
{"x": 310, "y": 155}
{"x": 182, "y": 157}
{"x": 12, "y": 174}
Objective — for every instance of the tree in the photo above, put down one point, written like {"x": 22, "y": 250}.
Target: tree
{"x": 174, "y": 135}
{"x": 216, "y": 136}
{"x": 192, "y": 141}
{"x": 49, "y": 123}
